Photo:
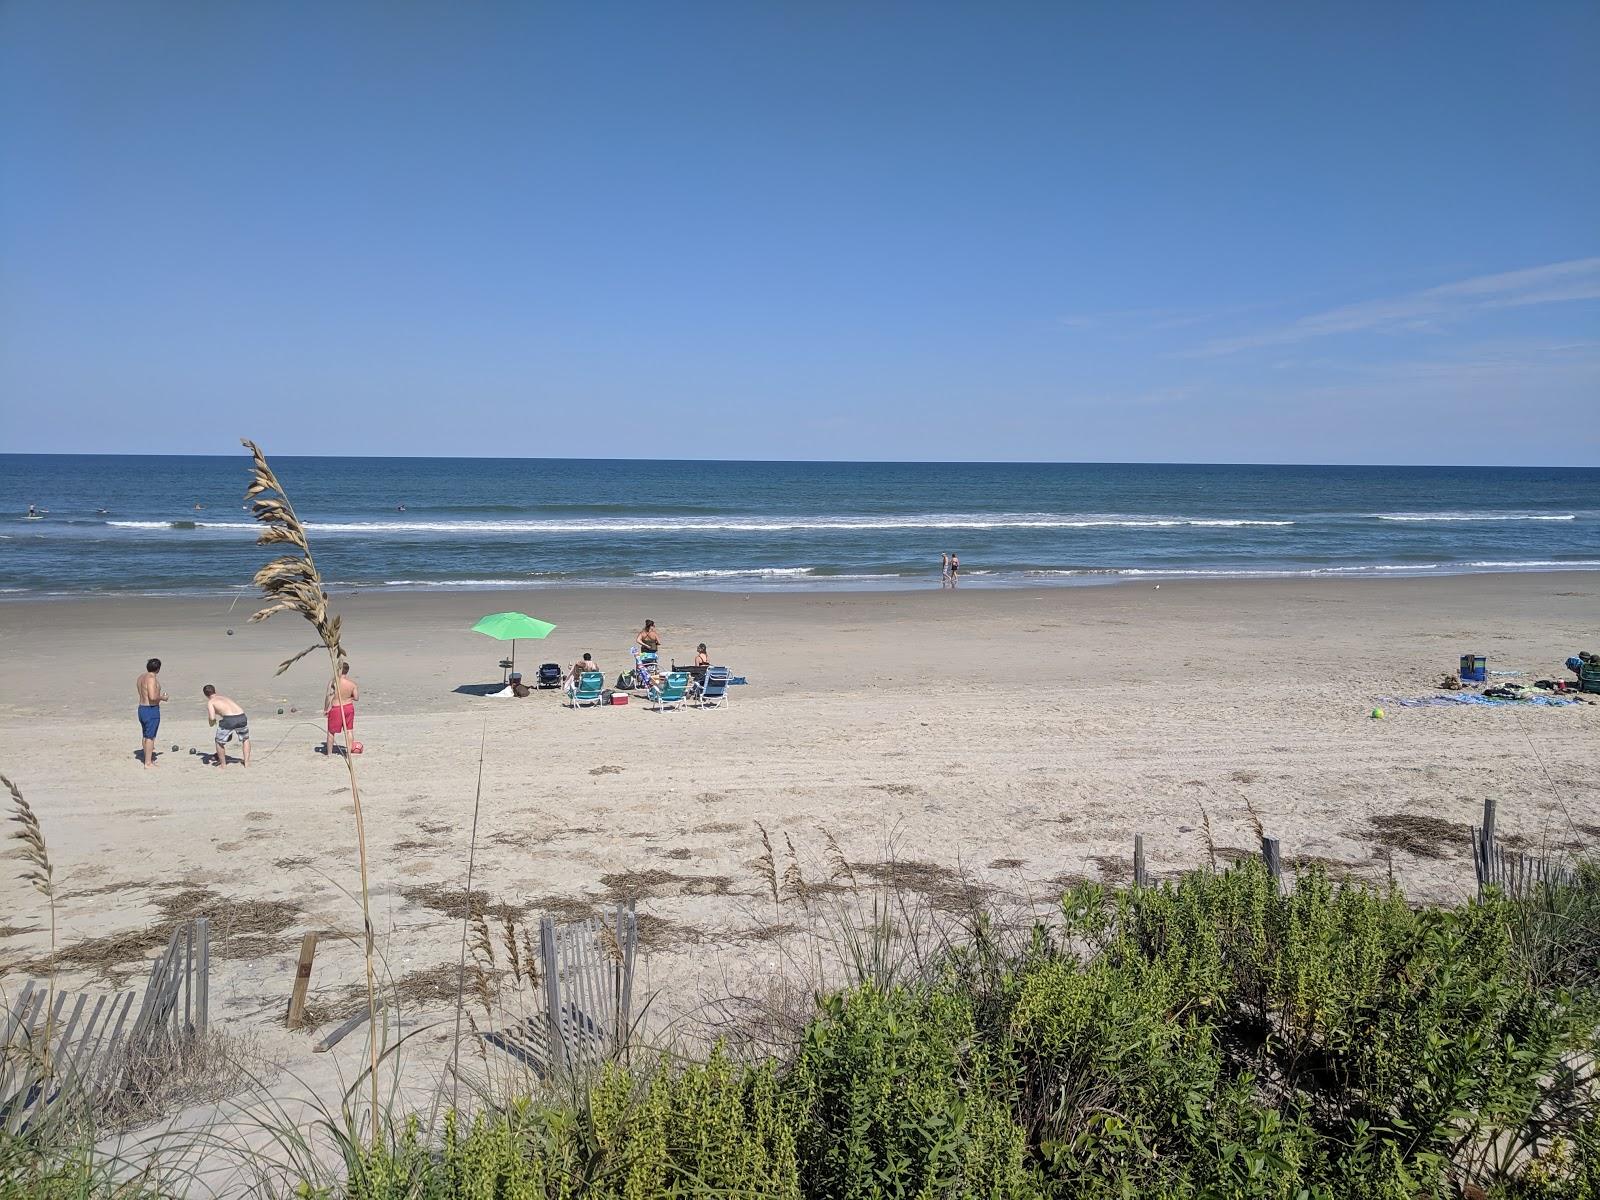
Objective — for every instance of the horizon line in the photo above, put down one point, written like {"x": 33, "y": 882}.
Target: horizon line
{"x": 826, "y": 462}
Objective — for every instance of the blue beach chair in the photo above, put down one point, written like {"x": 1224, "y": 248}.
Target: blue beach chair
{"x": 714, "y": 688}
{"x": 587, "y": 693}
{"x": 670, "y": 692}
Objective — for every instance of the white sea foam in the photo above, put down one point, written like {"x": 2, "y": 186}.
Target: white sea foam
{"x": 730, "y": 573}
{"x": 460, "y": 583}
{"x": 1226, "y": 573}
{"x": 1577, "y": 563}
{"x": 1465, "y": 516}
{"x": 737, "y": 525}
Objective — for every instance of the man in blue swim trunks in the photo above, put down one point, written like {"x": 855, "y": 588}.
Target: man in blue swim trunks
{"x": 150, "y": 698}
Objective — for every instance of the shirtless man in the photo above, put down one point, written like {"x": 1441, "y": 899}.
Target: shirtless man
{"x": 341, "y": 707}
{"x": 586, "y": 663}
{"x": 230, "y": 721}
{"x": 150, "y": 697}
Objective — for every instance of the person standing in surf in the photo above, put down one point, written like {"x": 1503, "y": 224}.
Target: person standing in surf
{"x": 944, "y": 571}
{"x": 955, "y": 567}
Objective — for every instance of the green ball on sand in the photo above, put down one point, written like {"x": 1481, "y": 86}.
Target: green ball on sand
{"x": 1377, "y": 714}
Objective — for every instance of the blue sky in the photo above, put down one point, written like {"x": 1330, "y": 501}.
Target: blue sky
{"x": 1255, "y": 232}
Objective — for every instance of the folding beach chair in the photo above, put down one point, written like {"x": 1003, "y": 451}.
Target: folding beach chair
{"x": 670, "y": 692}
{"x": 587, "y": 692}
{"x": 714, "y": 688}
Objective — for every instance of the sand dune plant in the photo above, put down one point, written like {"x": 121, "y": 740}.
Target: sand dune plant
{"x": 40, "y": 876}
{"x": 291, "y": 583}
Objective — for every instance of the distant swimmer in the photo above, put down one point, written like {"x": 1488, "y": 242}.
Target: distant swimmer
{"x": 199, "y": 507}
{"x": 399, "y": 508}
{"x": 33, "y": 513}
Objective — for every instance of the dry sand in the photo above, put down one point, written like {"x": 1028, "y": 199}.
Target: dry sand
{"x": 1001, "y": 741}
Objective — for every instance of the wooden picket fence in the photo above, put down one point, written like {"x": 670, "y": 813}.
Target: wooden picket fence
{"x": 52, "y": 1053}
{"x": 587, "y": 972}
{"x": 1518, "y": 876}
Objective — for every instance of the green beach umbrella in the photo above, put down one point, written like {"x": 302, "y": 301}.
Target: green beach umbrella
{"x": 512, "y": 626}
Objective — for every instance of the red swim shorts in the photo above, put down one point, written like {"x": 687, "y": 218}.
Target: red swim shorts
{"x": 341, "y": 717}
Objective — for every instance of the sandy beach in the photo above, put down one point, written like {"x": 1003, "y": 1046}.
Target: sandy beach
{"x": 994, "y": 742}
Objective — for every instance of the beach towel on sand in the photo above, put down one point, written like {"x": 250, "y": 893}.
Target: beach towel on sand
{"x": 1472, "y": 698}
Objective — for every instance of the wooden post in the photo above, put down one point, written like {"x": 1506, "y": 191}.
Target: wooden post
{"x": 1485, "y": 858}
{"x": 1269, "y": 852}
{"x": 302, "y": 980}
{"x": 552, "y": 992}
{"x": 202, "y": 929}
{"x": 1139, "y": 877}
{"x": 630, "y": 944}
{"x": 188, "y": 979}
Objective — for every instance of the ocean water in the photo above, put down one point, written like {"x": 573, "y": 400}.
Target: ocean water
{"x": 131, "y": 523}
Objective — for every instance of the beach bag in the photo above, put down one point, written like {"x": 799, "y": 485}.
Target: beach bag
{"x": 627, "y": 681}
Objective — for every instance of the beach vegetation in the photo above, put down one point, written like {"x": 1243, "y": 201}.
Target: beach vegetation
{"x": 292, "y": 583}
{"x": 1211, "y": 1037}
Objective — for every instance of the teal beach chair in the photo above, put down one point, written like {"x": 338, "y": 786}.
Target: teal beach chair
{"x": 670, "y": 692}
{"x": 587, "y": 693}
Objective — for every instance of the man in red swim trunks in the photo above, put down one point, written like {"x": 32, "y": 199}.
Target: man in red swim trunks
{"x": 341, "y": 707}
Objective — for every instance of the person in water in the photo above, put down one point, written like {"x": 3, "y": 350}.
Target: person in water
{"x": 955, "y": 568}
{"x": 231, "y": 723}
{"x": 341, "y": 707}
{"x": 148, "y": 686}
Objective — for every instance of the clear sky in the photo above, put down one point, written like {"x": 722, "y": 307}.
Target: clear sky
{"x": 1336, "y": 232}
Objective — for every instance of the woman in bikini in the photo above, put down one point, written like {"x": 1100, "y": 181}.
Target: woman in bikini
{"x": 649, "y": 639}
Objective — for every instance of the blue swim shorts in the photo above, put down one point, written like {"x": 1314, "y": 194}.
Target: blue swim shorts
{"x": 149, "y": 720}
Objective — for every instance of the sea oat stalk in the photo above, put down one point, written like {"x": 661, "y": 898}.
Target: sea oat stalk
{"x": 40, "y": 875}
{"x": 291, "y": 583}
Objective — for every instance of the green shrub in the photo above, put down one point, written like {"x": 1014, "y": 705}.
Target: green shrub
{"x": 714, "y": 1128}
{"x": 897, "y": 1100}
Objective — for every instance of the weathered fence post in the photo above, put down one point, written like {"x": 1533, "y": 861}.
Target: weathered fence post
{"x": 1483, "y": 848}
{"x": 1269, "y": 853}
{"x": 552, "y": 991}
{"x": 302, "y": 980}
{"x": 1139, "y": 876}
{"x": 202, "y": 929}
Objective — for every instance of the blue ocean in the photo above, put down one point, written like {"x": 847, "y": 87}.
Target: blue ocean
{"x": 112, "y": 524}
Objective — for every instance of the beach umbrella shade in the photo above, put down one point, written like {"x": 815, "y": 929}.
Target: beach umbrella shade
{"x": 512, "y": 627}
